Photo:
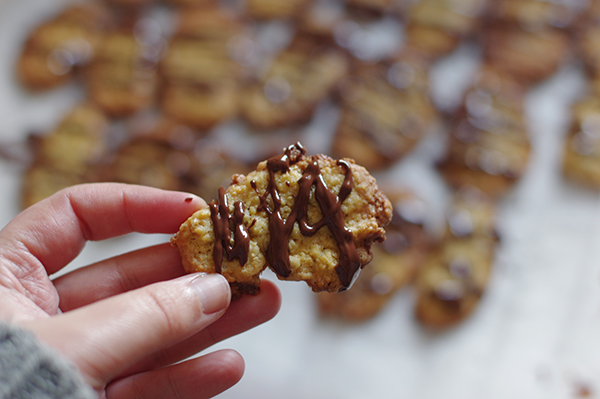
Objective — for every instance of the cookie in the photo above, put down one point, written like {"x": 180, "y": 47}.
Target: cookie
{"x": 488, "y": 145}
{"x": 533, "y": 15}
{"x": 395, "y": 263}
{"x": 587, "y": 35}
{"x": 529, "y": 57}
{"x": 436, "y": 27}
{"x": 67, "y": 155}
{"x": 122, "y": 79}
{"x": 297, "y": 80}
{"x": 159, "y": 155}
{"x": 41, "y": 181}
{"x": 455, "y": 274}
{"x": 273, "y": 218}
{"x": 385, "y": 111}
{"x": 209, "y": 22}
{"x": 581, "y": 154}
{"x": 528, "y": 39}
{"x": 201, "y": 79}
{"x": 200, "y": 106}
{"x": 169, "y": 155}
{"x": 78, "y": 142}
{"x": 57, "y": 48}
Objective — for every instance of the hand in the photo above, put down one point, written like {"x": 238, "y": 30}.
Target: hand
{"x": 124, "y": 321}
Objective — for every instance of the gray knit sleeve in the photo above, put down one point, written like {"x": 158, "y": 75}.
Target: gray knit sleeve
{"x": 31, "y": 370}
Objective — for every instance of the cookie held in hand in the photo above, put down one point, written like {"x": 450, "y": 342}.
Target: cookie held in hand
{"x": 308, "y": 218}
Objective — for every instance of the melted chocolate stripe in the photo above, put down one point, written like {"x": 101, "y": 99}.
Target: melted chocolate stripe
{"x": 280, "y": 230}
{"x": 219, "y": 214}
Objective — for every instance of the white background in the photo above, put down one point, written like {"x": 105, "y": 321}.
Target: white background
{"x": 535, "y": 335}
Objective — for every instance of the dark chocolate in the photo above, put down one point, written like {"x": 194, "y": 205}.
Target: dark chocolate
{"x": 280, "y": 230}
{"x": 219, "y": 213}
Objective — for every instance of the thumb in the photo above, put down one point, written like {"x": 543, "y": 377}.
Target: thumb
{"x": 105, "y": 338}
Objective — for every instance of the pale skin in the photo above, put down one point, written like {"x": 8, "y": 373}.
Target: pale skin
{"x": 124, "y": 322}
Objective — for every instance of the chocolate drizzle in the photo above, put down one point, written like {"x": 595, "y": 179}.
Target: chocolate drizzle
{"x": 219, "y": 213}
{"x": 330, "y": 204}
{"x": 280, "y": 229}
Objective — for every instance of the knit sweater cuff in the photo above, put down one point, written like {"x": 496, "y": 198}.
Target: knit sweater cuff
{"x": 29, "y": 369}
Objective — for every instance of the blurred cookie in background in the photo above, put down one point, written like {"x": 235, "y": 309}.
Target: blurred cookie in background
{"x": 456, "y": 272}
{"x": 587, "y": 39}
{"x": 60, "y": 46}
{"x": 69, "y": 154}
{"x": 200, "y": 74}
{"x": 41, "y": 181}
{"x": 385, "y": 111}
{"x": 394, "y": 265}
{"x": 436, "y": 27}
{"x": 527, "y": 39}
{"x": 488, "y": 143}
{"x": 581, "y": 157}
{"x": 169, "y": 155}
{"x": 293, "y": 84}
{"x": 122, "y": 79}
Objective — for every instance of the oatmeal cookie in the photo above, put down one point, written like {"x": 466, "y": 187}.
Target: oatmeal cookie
{"x": 200, "y": 75}
{"x": 67, "y": 155}
{"x": 488, "y": 145}
{"x": 296, "y": 81}
{"x": 395, "y": 263}
{"x": 528, "y": 56}
{"x": 438, "y": 26}
{"x": 581, "y": 156}
{"x": 588, "y": 39}
{"x": 169, "y": 155}
{"x": 78, "y": 142}
{"x": 41, "y": 181}
{"x": 60, "y": 46}
{"x": 528, "y": 39}
{"x": 273, "y": 218}
{"x": 455, "y": 274}
{"x": 385, "y": 111}
{"x": 122, "y": 79}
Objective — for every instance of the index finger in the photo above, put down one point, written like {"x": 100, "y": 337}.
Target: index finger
{"x": 54, "y": 231}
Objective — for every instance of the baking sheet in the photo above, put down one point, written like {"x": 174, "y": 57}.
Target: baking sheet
{"x": 536, "y": 333}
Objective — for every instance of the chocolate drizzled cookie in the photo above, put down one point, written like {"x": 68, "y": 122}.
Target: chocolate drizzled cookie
{"x": 488, "y": 144}
{"x": 58, "y": 47}
{"x": 385, "y": 111}
{"x": 527, "y": 39}
{"x": 307, "y": 218}
{"x": 455, "y": 275}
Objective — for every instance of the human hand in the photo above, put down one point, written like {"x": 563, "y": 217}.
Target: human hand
{"x": 124, "y": 321}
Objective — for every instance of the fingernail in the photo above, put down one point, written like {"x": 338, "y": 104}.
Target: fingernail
{"x": 213, "y": 292}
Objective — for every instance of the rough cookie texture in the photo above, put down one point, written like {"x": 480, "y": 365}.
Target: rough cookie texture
{"x": 307, "y": 218}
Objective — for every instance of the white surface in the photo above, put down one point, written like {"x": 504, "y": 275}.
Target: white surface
{"x": 535, "y": 335}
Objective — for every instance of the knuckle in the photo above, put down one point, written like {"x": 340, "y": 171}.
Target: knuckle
{"x": 168, "y": 310}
